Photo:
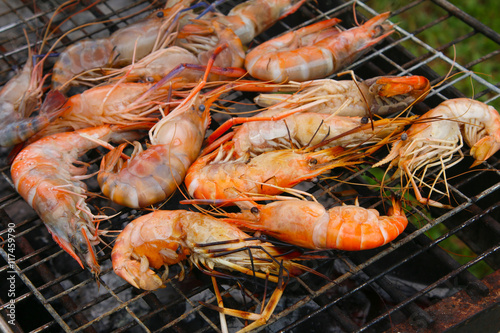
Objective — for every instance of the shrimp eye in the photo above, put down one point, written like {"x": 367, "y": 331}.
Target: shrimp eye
{"x": 254, "y": 210}
{"x": 313, "y": 161}
{"x": 179, "y": 249}
{"x": 160, "y": 14}
{"x": 201, "y": 108}
{"x": 149, "y": 79}
{"x": 364, "y": 120}
{"x": 379, "y": 30}
{"x": 404, "y": 136}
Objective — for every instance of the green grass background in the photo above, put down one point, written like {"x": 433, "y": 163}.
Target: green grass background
{"x": 467, "y": 51}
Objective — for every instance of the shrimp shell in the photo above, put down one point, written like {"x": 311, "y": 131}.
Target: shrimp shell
{"x": 381, "y": 95}
{"x": 439, "y": 134}
{"x": 296, "y": 56}
{"x": 168, "y": 237}
{"x": 310, "y": 225}
{"x": 217, "y": 176}
{"x": 139, "y": 39}
{"x": 45, "y": 175}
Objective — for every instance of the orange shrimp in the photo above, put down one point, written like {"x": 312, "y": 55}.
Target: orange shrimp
{"x": 438, "y": 135}
{"x": 381, "y": 95}
{"x": 45, "y": 175}
{"x": 157, "y": 65}
{"x": 310, "y": 225}
{"x": 121, "y": 104}
{"x": 217, "y": 176}
{"x": 121, "y": 48}
{"x": 315, "y": 51}
{"x": 246, "y": 20}
{"x": 164, "y": 238}
{"x": 19, "y": 98}
{"x": 283, "y": 128}
{"x": 152, "y": 175}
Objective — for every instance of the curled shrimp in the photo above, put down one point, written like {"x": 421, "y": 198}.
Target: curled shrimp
{"x": 315, "y": 51}
{"x": 439, "y": 134}
{"x": 46, "y": 175}
{"x": 152, "y": 175}
{"x": 309, "y": 224}
{"x": 121, "y": 48}
{"x": 381, "y": 95}
{"x": 164, "y": 238}
{"x": 218, "y": 176}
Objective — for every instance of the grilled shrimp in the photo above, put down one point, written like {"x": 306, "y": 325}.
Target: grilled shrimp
{"x": 157, "y": 65}
{"x": 19, "y": 98}
{"x": 164, "y": 238}
{"x": 246, "y": 20}
{"x": 315, "y": 51}
{"x": 45, "y": 175}
{"x": 307, "y": 129}
{"x": 121, "y": 48}
{"x": 381, "y": 95}
{"x": 308, "y": 224}
{"x": 440, "y": 133}
{"x": 152, "y": 175}
{"x": 218, "y": 176}
{"x": 122, "y": 104}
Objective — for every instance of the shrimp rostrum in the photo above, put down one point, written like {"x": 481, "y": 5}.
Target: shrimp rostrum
{"x": 164, "y": 238}
{"x": 438, "y": 135}
{"x": 48, "y": 176}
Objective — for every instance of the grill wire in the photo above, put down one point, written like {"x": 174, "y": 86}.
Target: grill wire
{"x": 369, "y": 290}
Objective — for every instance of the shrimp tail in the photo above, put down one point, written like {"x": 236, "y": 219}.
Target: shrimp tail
{"x": 484, "y": 149}
{"x": 132, "y": 272}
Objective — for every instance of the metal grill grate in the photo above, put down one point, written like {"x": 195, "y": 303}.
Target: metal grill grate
{"x": 370, "y": 290}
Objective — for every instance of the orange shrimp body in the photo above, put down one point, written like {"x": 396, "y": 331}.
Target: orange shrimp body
{"x": 45, "y": 175}
{"x": 381, "y": 95}
{"x": 246, "y": 20}
{"x": 309, "y": 129}
{"x": 118, "y": 49}
{"x": 440, "y": 133}
{"x": 217, "y": 176}
{"x": 152, "y": 175}
{"x": 108, "y": 104}
{"x": 157, "y": 65}
{"x": 296, "y": 56}
{"x": 310, "y": 225}
{"x": 165, "y": 238}
{"x": 442, "y": 129}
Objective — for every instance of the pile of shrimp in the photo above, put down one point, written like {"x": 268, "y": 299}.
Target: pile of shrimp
{"x": 167, "y": 74}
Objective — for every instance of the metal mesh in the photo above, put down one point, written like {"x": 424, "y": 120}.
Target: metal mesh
{"x": 369, "y": 290}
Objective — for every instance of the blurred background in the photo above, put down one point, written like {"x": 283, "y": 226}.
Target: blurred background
{"x": 473, "y": 50}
